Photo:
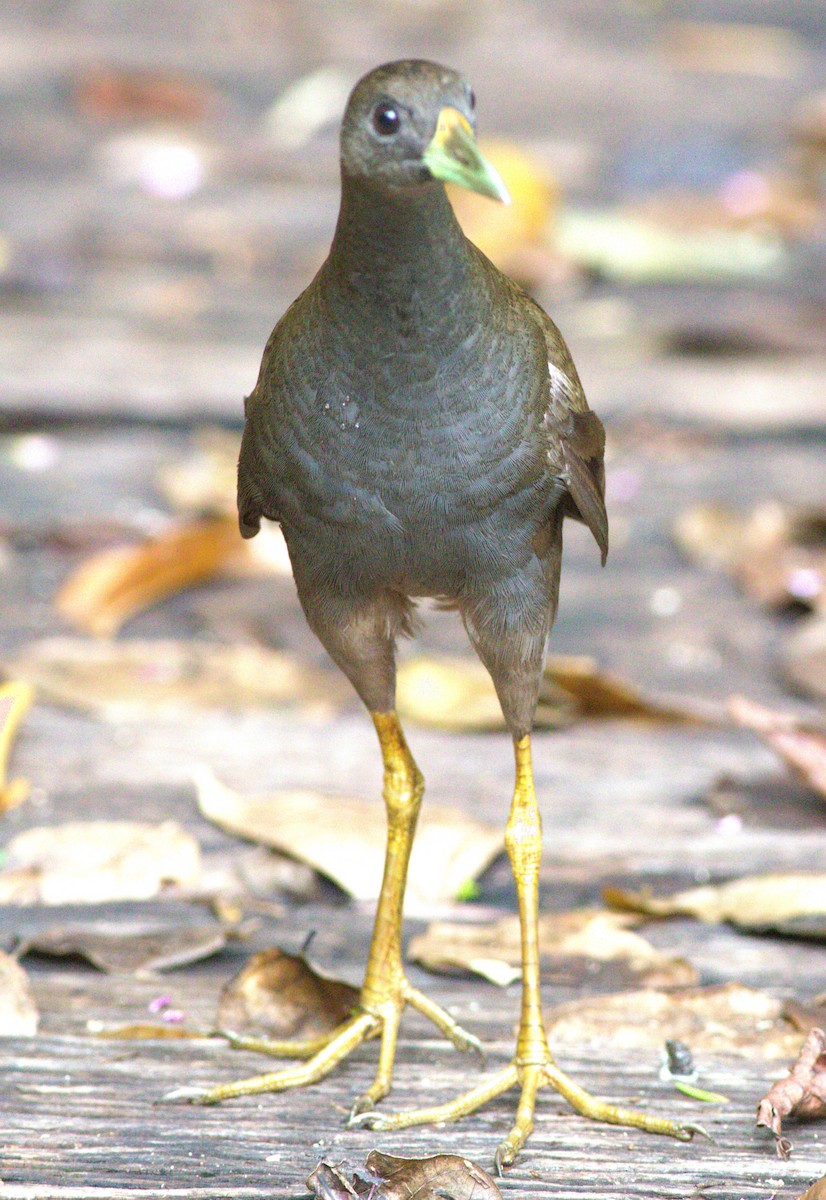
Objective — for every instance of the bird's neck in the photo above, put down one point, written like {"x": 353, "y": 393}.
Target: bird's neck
{"x": 392, "y": 244}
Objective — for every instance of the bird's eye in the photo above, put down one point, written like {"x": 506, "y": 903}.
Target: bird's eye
{"x": 472, "y": 99}
{"x": 386, "y": 120}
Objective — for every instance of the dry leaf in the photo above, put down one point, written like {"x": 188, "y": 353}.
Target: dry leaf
{"x": 204, "y": 481}
{"x": 725, "y": 1019}
{"x": 600, "y": 694}
{"x": 141, "y": 1031}
{"x": 806, "y": 1017}
{"x": 458, "y": 693}
{"x": 18, "y": 1011}
{"x": 816, "y": 1192}
{"x": 753, "y": 902}
{"x": 344, "y": 838}
{"x": 636, "y": 245}
{"x": 802, "y": 747}
{"x": 111, "y": 587}
{"x": 125, "y": 948}
{"x": 777, "y": 553}
{"x": 280, "y": 995}
{"x": 440, "y": 1177}
{"x": 128, "y": 681}
{"x": 84, "y": 862}
{"x": 451, "y": 693}
{"x": 710, "y": 535}
{"x": 16, "y": 699}
{"x": 328, "y": 1183}
{"x": 804, "y": 662}
{"x": 494, "y": 951}
{"x": 734, "y": 48}
{"x": 801, "y": 1094}
{"x": 115, "y": 95}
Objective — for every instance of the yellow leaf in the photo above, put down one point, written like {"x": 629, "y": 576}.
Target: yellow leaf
{"x": 110, "y": 587}
{"x": 15, "y": 701}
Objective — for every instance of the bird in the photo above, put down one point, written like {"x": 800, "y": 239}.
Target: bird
{"x": 418, "y": 429}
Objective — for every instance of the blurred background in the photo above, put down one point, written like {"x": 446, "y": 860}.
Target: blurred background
{"x": 169, "y": 183}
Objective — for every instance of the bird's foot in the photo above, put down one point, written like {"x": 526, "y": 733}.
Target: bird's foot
{"x": 530, "y": 1077}
{"x": 376, "y": 1017}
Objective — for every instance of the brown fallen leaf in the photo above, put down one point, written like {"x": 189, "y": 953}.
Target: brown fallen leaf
{"x": 128, "y": 681}
{"x": 114, "y": 585}
{"x": 18, "y": 1012}
{"x": 816, "y": 1192}
{"x": 494, "y": 950}
{"x": 113, "y": 94}
{"x": 280, "y": 995}
{"x": 602, "y": 695}
{"x": 328, "y": 1183}
{"x": 343, "y": 837}
{"x": 124, "y": 949}
{"x": 806, "y": 1016}
{"x": 802, "y": 747}
{"x": 723, "y": 1019}
{"x": 801, "y": 1094}
{"x": 752, "y": 902}
{"x": 16, "y": 699}
{"x": 439, "y": 1177}
{"x": 141, "y": 1031}
{"x": 84, "y": 862}
{"x": 457, "y": 693}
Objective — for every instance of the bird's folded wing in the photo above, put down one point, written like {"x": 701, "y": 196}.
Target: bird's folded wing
{"x": 583, "y": 447}
{"x": 576, "y": 440}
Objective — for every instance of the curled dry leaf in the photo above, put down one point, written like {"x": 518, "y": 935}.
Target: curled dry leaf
{"x": 494, "y": 950}
{"x": 16, "y": 699}
{"x": 344, "y": 837}
{"x": 18, "y": 1011}
{"x": 457, "y": 693}
{"x": 724, "y": 1019}
{"x": 280, "y": 995}
{"x": 439, "y": 1177}
{"x": 802, "y": 747}
{"x": 111, "y": 587}
{"x": 135, "y": 680}
{"x": 753, "y": 902}
{"x": 328, "y": 1183}
{"x": 84, "y": 862}
{"x": 801, "y": 1094}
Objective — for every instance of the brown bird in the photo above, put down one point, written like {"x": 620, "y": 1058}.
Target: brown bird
{"x": 418, "y": 429}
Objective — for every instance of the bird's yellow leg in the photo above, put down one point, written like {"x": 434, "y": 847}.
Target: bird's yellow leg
{"x": 532, "y": 1066}
{"x": 385, "y": 990}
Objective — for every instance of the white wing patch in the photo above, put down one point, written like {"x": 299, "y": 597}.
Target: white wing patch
{"x": 561, "y": 389}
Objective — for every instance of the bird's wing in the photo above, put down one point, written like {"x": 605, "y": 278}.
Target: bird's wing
{"x": 576, "y": 438}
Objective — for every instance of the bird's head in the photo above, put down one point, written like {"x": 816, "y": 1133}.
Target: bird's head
{"x": 411, "y": 122}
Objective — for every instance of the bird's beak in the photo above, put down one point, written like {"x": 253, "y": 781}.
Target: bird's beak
{"x": 454, "y": 157}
